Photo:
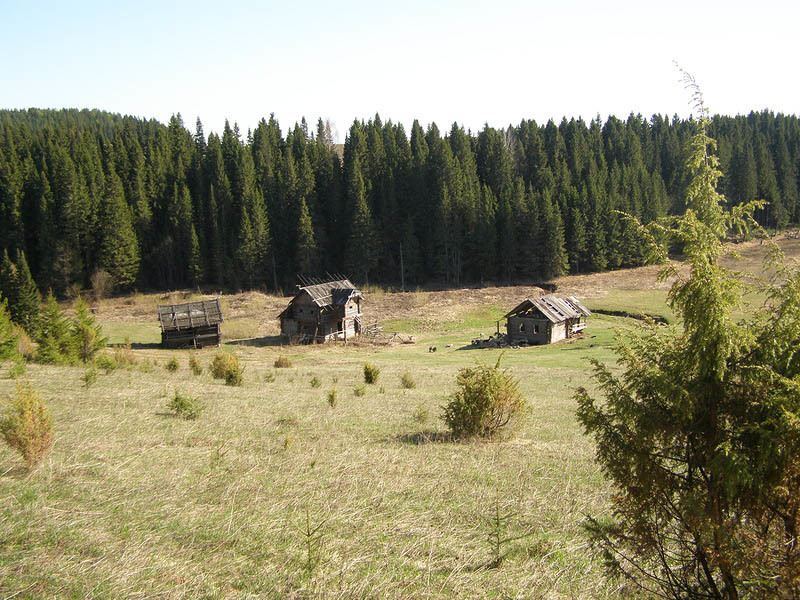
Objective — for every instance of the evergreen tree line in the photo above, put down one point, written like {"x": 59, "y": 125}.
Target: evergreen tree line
{"x": 161, "y": 207}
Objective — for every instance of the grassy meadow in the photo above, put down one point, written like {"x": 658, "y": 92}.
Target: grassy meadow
{"x": 274, "y": 493}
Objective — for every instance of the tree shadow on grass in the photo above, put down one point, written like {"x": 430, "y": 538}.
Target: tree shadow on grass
{"x": 424, "y": 437}
{"x": 142, "y": 345}
{"x": 269, "y": 340}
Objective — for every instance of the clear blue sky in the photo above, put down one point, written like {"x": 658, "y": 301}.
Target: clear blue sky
{"x": 434, "y": 60}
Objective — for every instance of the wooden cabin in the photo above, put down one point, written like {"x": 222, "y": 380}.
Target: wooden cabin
{"x": 322, "y": 311}
{"x": 545, "y": 320}
{"x": 190, "y": 325}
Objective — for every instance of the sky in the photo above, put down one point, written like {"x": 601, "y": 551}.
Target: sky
{"x": 439, "y": 61}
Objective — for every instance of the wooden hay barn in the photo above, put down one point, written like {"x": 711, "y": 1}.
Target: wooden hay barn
{"x": 194, "y": 324}
{"x": 322, "y": 311}
{"x": 545, "y": 320}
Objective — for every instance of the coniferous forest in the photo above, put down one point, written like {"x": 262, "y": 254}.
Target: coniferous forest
{"x": 160, "y": 206}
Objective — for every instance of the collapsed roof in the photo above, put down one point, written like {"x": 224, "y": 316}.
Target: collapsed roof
{"x": 174, "y": 317}
{"x": 327, "y": 294}
{"x": 553, "y": 308}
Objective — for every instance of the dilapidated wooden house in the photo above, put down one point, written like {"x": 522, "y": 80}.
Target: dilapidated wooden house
{"x": 546, "y": 319}
{"x": 193, "y": 324}
{"x": 323, "y": 310}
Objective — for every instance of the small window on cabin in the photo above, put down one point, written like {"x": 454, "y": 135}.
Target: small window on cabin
{"x": 522, "y": 327}
{"x": 535, "y": 329}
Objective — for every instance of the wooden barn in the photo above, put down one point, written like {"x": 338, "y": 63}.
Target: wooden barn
{"x": 323, "y": 310}
{"x": 194, "y": 324}
{"x": 546, "y": 319}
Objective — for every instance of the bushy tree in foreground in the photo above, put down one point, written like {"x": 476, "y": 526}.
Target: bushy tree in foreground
{"x": 26, "y": 425}
{"x": 487, "y": 403}
{"x": 700, "y": 432}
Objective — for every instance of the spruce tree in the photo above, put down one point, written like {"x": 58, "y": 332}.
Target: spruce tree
{"x": 8, "y": 280}
{"x": 87, "y": 335}
{"x": 55, "y": 341}
{"x": 554, "y": 261}
{"x": 8, "y": 335}
{"x": 246, "y": 249}
{"x": 27, "y": 299}
{"x": 361, "y": 253}
{"x": 306, "y": 250}
{"x": 119, "y": 248}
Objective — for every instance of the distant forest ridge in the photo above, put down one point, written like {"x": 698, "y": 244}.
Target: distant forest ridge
{"x": 159, "y": 206}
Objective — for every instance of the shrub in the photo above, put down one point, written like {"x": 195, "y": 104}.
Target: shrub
{"x": 123, "y": 355}
{"x": 17, "y": 369}
{"x": 89, "y": 377}
{"x": 269, "y": 377}
{"x": 407, "y": 381}
{"x": 194, "y": 365}
{"x": 25, "y": 344}
{"x": 186, "y": 407}
{"x": 282, "y": 362}
{"x": 420, "y": 414}
{"x": 226, "y": 366}
{"x": 315, "y": 382}
{"x": 486, "y": 403}
{"x": 102, "y": 284}
{"x": 172, "y": 365}
{"x": 27, "y": 426}
{"x": 105, "y": 362}
{"x": 371, "y": 373}
{"x": 235, "y": 376}
{"x": 359, "y": 390}
{"x": 332, "y": 398}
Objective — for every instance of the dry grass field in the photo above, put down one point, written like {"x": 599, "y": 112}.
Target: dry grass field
{"x": 134, "y": 502}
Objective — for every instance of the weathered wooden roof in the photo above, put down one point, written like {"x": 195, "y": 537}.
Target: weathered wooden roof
{"x": 331, "y": 292}
{"x": 576, "y": 304}
{"x": 174, "y": 317}
{"x": 553, "y": 308}
{"x": 325, "y": 294}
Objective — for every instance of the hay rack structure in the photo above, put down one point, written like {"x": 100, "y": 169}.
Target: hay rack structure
{"x": 190, "y": 325}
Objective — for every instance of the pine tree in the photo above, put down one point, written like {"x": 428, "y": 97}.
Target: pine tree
{"x": 361, "y": 253}
{"x": 554, "y": 261}
{"x": 306, "y": 250}
{"x": 119, "y": 248}
{"x": 8, "y": 335}
{"x": 8, "y": 280}
{"x": 10, "y": 200}
{"x": 87, "y": 335}
{"x": 578, "y": 240}
{"x": 55, "y": 342}
{"x": 246, "y": 249}
{"x": 194, "y": 269}
{"x": 26, "y": 310}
